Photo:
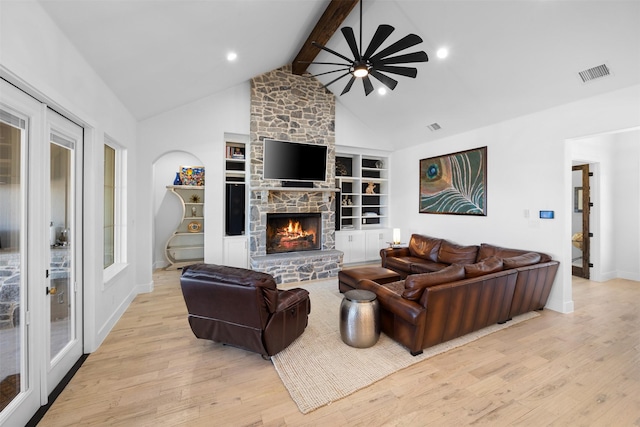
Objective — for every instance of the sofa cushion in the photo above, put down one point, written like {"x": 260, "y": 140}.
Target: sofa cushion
{"x": 415, "y": 284}
{"x": 521, "y": 260}
{"x": 427, "y": 266}
{"x": 486, "y": 266}
{"x": 424, "y": 247}
{"x": 450, "y": 253}
{"x": 401, "y": 263}
{"x": 487, "y": 250}
{"x": 396, "y": 287}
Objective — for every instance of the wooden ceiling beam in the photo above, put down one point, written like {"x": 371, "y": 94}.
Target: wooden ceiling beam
{"x": 335, "y": 14}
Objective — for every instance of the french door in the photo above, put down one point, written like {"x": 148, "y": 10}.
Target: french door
{"x": 64, "y": 242}
{"x": 40, "y": 252}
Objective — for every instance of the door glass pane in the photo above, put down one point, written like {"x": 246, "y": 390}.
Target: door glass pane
{"x": 576, "y": 220}
{"x": 61, "y": 273}
{"x": 12, "y": 277}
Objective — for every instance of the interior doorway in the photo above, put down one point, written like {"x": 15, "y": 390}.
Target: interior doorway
{"x": 580, "y": 234}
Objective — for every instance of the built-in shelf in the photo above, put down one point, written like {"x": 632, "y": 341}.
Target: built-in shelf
{"x": 359, "y": 209}
{"x": 185, "y": 245}
{"x": 236, "y": 164}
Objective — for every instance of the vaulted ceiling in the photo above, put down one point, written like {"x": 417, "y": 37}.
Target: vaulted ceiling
{"x": 506, "y": 58}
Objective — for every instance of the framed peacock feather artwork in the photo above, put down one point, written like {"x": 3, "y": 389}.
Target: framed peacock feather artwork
{"x": 455, "y": 183}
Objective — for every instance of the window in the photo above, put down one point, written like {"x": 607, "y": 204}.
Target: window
{"x": 114, "y": 207}
{"x": 109, "y": 205}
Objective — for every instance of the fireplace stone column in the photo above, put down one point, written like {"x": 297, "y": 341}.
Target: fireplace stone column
{"x": 292, "y": 108}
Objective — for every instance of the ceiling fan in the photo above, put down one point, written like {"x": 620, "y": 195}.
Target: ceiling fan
{"x": 371, "y": 63}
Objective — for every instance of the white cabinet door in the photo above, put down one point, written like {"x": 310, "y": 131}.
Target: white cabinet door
{"x": 236, "y": 252}
{"x": 343, "y": 244}
{"x": 352, "y": 244}
{"x": 376, "y": 240}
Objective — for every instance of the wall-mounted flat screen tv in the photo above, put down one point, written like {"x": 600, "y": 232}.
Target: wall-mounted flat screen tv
{"x": 294, "y": 161}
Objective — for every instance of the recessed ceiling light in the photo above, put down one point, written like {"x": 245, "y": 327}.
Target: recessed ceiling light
{"x": 442, "y": 53}
{"x": 232, "y": 56}
{"x": 382, "y": 91}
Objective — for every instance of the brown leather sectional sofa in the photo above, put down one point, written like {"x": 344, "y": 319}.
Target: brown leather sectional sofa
{"x": 450, "y": 290}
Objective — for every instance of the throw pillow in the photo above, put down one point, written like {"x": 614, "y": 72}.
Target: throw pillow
{"x": 415, "y": 284}
{"x": 450, "y": 253}
{"x": 489, "y": 265}
{"x": 521, "y": 260}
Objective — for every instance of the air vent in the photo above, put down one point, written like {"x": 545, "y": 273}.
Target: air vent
{"x": 594, "y": 73}
{"x": 434, "y": 127}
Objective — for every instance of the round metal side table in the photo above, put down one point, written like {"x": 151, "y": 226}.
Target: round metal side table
{"x": 359, "y": 318}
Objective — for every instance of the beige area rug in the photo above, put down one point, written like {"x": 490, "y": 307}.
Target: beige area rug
{"x": 318, "y": 368}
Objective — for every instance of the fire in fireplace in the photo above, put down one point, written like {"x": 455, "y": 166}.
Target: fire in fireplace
{"x": 291, "y": 232}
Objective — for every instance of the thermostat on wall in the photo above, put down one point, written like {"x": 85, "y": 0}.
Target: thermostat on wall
{"x": 546, "y": 214}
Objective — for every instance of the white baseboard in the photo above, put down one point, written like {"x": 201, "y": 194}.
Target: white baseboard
{"x": 629, "y": 275}
{"x": 160, "y": 264}
{"x": 120, "y": 310}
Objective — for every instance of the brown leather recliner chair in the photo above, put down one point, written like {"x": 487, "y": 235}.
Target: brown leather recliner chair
{"x": 243, "y": 308}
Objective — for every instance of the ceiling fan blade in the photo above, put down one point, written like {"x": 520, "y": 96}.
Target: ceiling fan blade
{"x": 347, "y": 88}
{"x": 351, "y": 41}
{"x": 402, "y": 44}
{"x": 379, "y": 37}
{"x": 368, "y": 86}
{"x": 333, "y": 52}
{"x": 404, "y": 59}
{"x": 385, "y": 80}
{"x": 329, "y": 72}
{"x": 403, "y": 71}
{"x": 336, "y": 79}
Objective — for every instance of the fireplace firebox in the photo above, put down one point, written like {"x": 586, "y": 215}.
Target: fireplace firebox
{"x": 292, "y": 232}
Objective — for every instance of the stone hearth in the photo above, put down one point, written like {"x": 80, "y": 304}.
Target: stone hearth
{"x": 299, "y": 266}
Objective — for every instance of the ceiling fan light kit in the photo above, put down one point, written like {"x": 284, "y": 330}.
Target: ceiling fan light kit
{"x": 360, "y": 70}
{"x": 370, "y": 63}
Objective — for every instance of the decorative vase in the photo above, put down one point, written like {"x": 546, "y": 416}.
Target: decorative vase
{"x": 177, "y": 181}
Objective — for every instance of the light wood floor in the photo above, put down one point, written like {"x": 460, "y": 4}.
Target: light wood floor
{"x": 579, "y": 369}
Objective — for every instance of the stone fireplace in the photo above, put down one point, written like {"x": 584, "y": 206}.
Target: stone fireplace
{"x": 292, "y": 108}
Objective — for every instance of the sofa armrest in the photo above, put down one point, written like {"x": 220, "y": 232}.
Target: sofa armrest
{"x": 409, "y": 311}
{"x": 290, "y": 297}
{"x": 391, "y": 253}
{"x": 288, "y": 322}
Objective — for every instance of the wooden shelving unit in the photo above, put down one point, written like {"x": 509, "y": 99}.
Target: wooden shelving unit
{"x": 186, "y": 244}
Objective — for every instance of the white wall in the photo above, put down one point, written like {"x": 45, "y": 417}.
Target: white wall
{"x": 626, "y": 211}
{"x": 36, "y": 56}
{"x": 351, "y": 132}
{"x": 529, "y": 169}
{"x": 196, "y": 129}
